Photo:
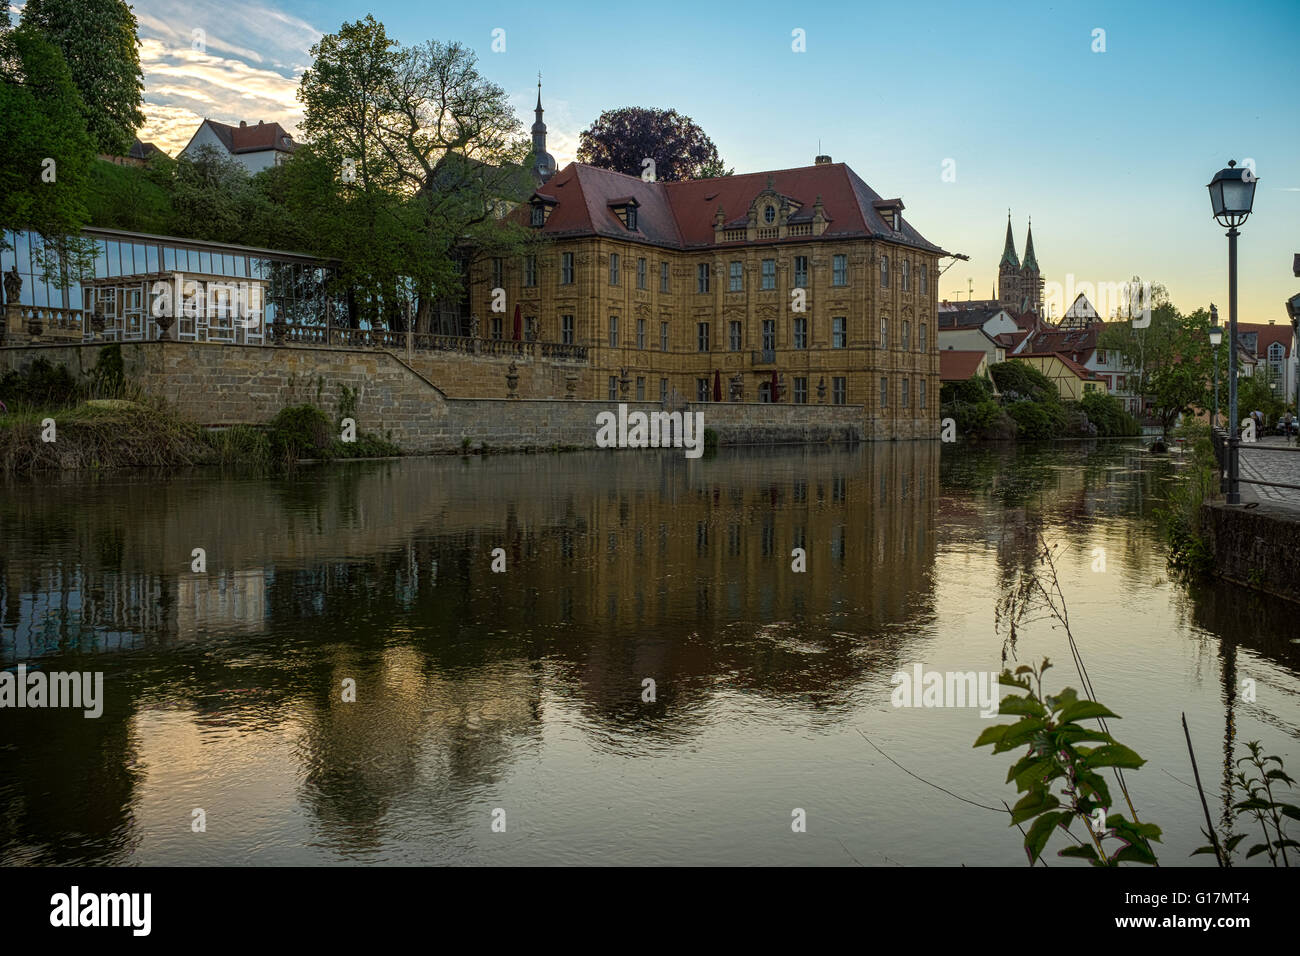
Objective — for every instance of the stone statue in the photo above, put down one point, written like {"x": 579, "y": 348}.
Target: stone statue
{"x": 737, "y": 383}
{"x": 512, "y": 381}
{"x": 624, "y": 381}
{"x": 13, "y": 285}
{"x": 821, "y": 390}
{"x": 473, "y": 326}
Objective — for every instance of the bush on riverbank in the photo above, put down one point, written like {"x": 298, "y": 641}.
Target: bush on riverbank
{"x": 99, "y": 436}
{"x": 1028, "y": 407}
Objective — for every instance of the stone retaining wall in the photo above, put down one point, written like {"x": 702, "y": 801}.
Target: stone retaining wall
{"x": 217, "y": 384}
{"x": 1255, "y": 547}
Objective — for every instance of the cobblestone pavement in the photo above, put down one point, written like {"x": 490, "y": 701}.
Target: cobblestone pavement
{"x": 1258, "y": 462}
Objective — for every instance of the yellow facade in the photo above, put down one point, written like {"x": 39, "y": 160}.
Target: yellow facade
{"x": 1068, "y": 383}
{"x": 625, "y": 319}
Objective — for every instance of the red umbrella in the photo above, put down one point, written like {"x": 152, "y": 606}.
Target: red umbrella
{"x": 717, "y": 386}
{"x": 518, "y": 324}
{"x": 776, "y": 387}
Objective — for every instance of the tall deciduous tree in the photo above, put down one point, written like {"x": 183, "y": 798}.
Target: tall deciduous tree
{"x": 413, "y": 156}
{"x": 98, "y": 40}
{"x": 45, "y": 152}
{"x": 1172, "y": 356}
{"x": 623, "y": 139}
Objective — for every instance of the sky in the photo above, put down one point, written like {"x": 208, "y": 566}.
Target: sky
{"x": 1106, "y": 139}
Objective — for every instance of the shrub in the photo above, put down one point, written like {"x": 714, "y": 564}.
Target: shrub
{"x": 300, "y": 431}
{"x": 1018, "y": 380}
{"x": 1108, "y": 414}
{"x": 41, "y": 385}
{"x": 1037, "y": 421}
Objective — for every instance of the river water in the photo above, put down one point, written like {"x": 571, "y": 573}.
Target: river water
{"x": 517, "y": 697}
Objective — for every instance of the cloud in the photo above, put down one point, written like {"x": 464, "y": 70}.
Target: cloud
{"x": 198, "y": 62}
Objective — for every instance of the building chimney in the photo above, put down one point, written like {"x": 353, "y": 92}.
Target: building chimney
{"x": 822, "y": 160}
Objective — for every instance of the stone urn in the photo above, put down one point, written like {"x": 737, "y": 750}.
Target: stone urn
{"x": 571, "y": 386}
{"x": 737, "y": 385}
{"x": 512, "y": 381}
{"x": 164, "y": 322}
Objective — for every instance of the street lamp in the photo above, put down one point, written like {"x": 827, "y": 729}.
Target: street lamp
{"x": 1232, "y": 196}
{"x": 1216, "y": 336}
{"x": 1293, "y": 310}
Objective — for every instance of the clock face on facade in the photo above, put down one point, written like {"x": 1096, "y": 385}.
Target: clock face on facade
{"x": 769, "y": 213}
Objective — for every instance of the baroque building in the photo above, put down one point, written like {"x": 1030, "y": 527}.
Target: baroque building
{"x": 1020, "y": 285}
{"x": 797, "y": 286}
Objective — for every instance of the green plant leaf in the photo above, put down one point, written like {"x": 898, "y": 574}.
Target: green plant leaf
{"x": 1032, "y": 804}
{"x": 1011, "y": 705}
{"x": 991, "y": 735}
{"x": 1113, "y": 755}
{"x": 1040, "y": 833}
{"x": 1084, "y": 851}
{"x": 1084, "y": 710}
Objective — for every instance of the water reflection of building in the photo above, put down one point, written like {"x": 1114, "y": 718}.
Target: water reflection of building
{"x": 236, "y": 597}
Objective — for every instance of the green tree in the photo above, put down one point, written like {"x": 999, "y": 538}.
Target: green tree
{"x": 98, "y": 40}
{"x": 47, "y": 153}
{"x": 417, "y": 157}
{"x": 1172, "y": 356}
{"x": 210, "y": 193}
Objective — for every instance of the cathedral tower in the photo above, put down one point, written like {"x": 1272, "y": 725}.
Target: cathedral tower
{"x": 1009, "y": 272}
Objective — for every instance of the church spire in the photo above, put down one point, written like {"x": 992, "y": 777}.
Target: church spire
{"x": 544, "y": 166}
{"x": 1031, "y": 263}
{"x": 1009, "y": 257}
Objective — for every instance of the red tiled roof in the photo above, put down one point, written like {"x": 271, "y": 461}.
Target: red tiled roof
{"x": 957, "y": 365}
{"x": 252, "y": 139}
{"x": 1068, "y": 341}
{"x": 1086, "y": 374}
{"x": 681, "y": 214}
{"x": 1009, "y": 340}
{"x": 1268, "y": 335}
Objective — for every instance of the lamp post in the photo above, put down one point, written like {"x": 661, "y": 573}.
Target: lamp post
{"x": 1216, "y": 336}
{"x": 1232, "y": 196}
{"x": 1293, "y": 310}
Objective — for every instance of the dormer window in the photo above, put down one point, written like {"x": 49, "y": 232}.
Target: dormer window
{"x": 891, "y": 211}
{"x": 625, "y": 209}
{"x": 543, "y": 206}
{"x": 769, "y": 214}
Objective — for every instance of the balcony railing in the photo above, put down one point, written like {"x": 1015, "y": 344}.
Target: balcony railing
{"x": 70, "y": 325}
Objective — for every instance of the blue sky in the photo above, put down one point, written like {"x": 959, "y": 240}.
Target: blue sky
{"x": 1108, "y": 151}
